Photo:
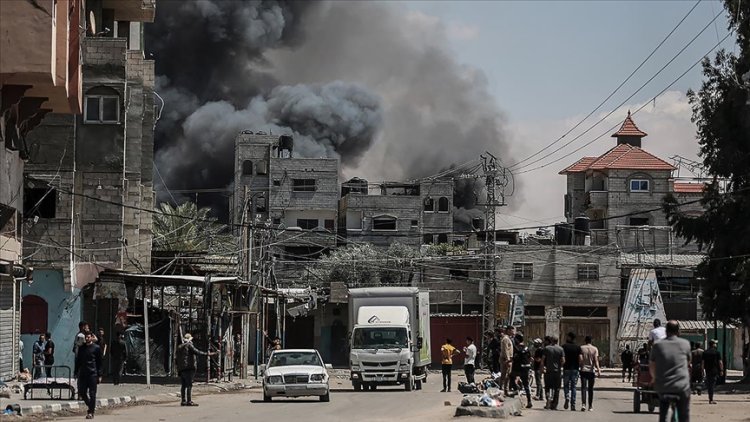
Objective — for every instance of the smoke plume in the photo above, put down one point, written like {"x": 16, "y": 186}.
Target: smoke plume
{"x": 369, "y": 82}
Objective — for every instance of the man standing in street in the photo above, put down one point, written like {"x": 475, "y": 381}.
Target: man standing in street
{"x": 89, "y": 364}
{"x": 494, "y": 352}
{"x": 573, "y": 360}
{"x": 521, "y": 367}
{"x": 552, "y": 364}
{"x": 713, "y": 367}
{"x": 38, "y": 355}
{"x": 658, "y": 333}
{"x": 447, "y": 351}
{"x": 119, "y": 356}
{"x": 237, "y": 356}
{"x": 588, "y": 376}
{"x": 469, "y": 362}
{"x": 506, "y": 357}
{"x": 670, "y": 369}
{"x": 696, "y": 375}
{"x": 186, "y": 367}
{"x": 49, "y": 355}
{"x": 538, "y": 353}
{"x": 626, "y": 357}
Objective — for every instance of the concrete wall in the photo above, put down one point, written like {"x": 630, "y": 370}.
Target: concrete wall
{"x": 64, "y": 314}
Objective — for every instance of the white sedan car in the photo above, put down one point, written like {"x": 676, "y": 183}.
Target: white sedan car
{"x": 295, "y": 373}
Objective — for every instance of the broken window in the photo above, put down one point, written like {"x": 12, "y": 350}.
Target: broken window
{"x": 39, "y": 202}
{"x": 328, "y": 224}
{"x": 443, "y": 204}
{"x": 384, "y": 223}
{"x": 102, "y": 109}
{"x": 429, "y": 205}
{"x": 588, "y": 272}
{"x": 523, "y": 271}
{"x": 247, "y": 168}
{"x": 303, "y": 185}
{"x": 307, "y": 223}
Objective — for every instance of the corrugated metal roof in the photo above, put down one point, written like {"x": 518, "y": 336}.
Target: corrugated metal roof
{"x": 660, "y": 260}
{"x": 701, "y": 325}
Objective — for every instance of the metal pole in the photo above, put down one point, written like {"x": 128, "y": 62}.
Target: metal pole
{"x": 207, "y": 302}
{"x": 146, "y": 338}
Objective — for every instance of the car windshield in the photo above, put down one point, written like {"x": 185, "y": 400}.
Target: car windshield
{"x": 380, "y": 338}
{"x": 294, "y": 359}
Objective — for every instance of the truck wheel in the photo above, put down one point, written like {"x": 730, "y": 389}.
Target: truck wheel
{"x": 266, "y": 398}
{"x": 409, "y": 385}
{"x": 357, "y": 386}
{"x": 418, "y": 384}
{"x": 325, "y": 397}
{"x": 636, "y": 401}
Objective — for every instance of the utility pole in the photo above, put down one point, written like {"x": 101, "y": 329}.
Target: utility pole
{"x": 491, "y": 172}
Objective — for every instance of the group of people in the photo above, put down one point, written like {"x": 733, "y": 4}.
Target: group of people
{"x": 565, "y": 365}
{"x": 43, "y": 355}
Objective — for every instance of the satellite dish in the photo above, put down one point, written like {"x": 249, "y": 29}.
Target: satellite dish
{"x": 92, "y": 23}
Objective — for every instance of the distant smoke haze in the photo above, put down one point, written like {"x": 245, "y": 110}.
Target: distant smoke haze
{"x": 367, "y": 82}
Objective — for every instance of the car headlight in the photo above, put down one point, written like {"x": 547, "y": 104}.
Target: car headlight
{"x": 317, "y": 378}
{"x": 403, "y": 367}
{"x": 275, "y": 379}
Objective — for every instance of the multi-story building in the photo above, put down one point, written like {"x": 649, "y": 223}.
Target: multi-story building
{"x": 88, "y": 175}
{"x": 40, "y": 73}
{"x": 409, "y": 213}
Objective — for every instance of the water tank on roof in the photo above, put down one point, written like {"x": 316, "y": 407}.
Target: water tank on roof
{"x": 563, "y": 233}
{"x": 286, "y": 143}
{"x": 582, "y": 227}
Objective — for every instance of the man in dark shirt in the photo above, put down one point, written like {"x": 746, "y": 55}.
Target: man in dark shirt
{"x": 49, "y": 355}
{"x": 538, "y": 353}
{"x": 713, "y": 367}
{"x": 494, "y": 348}
{"x": 696, "y": 369}
{"x": 186, "y": 367}
{"x": 552, "y": 364}
{"x": 573, "y": 359}
{"x": 626, "y": 357}
{"x": 521, "y": 367}
{"x": 119, "y": 355}
{"x": 89, "y": 364}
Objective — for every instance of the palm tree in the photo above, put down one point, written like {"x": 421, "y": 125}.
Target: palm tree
{"x": 186, "y": 228}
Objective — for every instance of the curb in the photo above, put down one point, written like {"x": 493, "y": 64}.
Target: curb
{"x": 109, "y": 402}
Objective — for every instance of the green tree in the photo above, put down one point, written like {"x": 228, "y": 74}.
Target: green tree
{"x": 361, "y": 264}
{"x": 721, "y": 112}
{"x": 187, "y": 228}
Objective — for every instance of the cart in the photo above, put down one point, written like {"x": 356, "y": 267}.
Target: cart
{"x": 644, "y": 390}
{"x": 55, "y": 387}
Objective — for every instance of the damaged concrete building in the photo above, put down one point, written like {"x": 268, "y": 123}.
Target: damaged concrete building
{"x": 88, "y": 176}
{"x": 40, "y": 73}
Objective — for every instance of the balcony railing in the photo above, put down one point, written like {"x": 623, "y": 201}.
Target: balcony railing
{"x": 597, "y": 199}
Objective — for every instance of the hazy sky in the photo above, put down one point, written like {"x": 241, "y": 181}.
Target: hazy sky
{"x": 548, "y": 64}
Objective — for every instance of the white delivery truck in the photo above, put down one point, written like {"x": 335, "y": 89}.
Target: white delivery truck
{"x": 390, "y": 337}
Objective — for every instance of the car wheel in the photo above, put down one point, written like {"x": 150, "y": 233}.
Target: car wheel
{"x": 357, "y": 386}
{"x": 636, "y": 401}
{"x": 325, "y": 397}
{"x": 266, "y": 397}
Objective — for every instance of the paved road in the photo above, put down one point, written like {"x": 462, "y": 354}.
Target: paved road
{"x": 388, "y": 404}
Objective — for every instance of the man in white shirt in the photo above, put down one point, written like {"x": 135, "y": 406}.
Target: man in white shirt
{"x": 658, "y": 333}
{"x": 471, "y": 355}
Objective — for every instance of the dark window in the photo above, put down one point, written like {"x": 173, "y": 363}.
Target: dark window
{"x": 276, "y": 221}
{"x": 639, "y": 185}
{"x": 523, "y": 271}
{"x": 276, "y": 182}
{"x": 262, "y": 168}
{"x": 584, "y": 311}
{"x": 443, "y": 204}
{"x": 33, "y": 315}
{"x": 588, "y": 272}
{"x": 639, "y": 221}
{"x": 303, "y": 185}
{"x": 459, "y": 273}
{"x": 442, "y": 238}
{"x": 39, "y": 202}
{"x": 429, "y": 205}
{"x": 477, "y": 223}
{"x": 328, "y": 224}
{"x": 247, "y": 168}
{"x": 428, "y": 239}
{"x": 260, "y": 205}
{"x": 102, "y": 109}
{"x": 384, "y": 223}
{"x": 307, "y": 223}
{"x": 533, "y": 310}
{"x": 415, "y": 223}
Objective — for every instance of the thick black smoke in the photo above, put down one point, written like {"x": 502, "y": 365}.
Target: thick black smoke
{"x": 369, "y": 82}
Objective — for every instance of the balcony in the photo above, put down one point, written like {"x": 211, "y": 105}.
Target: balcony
{"x": 132, "y": 10}
{"x": 597, "y": 199}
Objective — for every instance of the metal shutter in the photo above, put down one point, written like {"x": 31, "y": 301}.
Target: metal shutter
{"x": 9, "y": 327}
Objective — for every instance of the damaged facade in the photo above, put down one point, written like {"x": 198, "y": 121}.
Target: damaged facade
{"x": 88, "y": 175}
{"x": 40, "y": 74}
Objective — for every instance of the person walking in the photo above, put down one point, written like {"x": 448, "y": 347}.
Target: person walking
{"x": 470, "y": 361}
{"x": 669, "y": 365}
{"x": 538, "y": 354}
{"x": 626, "y": 357}
{"x": 447, "y": 351}
{"x": 506, "y": 357}
{"x": 571, "y": 370}
{"x": 118, "y": 356}
{"x": 589, "y": 371}
{"x": 37, "y": 352}
{"x": 237, "y": 356}
{"x": 49, "y": 355}
{"x": 696, "y": 369}
{"x": 552, "y": 364}
{"x": 658, "y": 333}
{"x": 712, "y": 367}
{"x": 494, "y": 353}
{"x": 186, "y": 367}
{"x": 522, "y": 367}
{"x": 89, "y": 364}
{"x": 78, "y": 342}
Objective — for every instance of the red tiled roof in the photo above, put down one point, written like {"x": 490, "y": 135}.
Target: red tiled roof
{"x": 683, "y": 187}
{"x": 623, "y": 156}
{"x": 579, "y": 166}
{"x": 629, "y": 128}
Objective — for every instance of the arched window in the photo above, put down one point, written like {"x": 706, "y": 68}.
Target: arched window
{"x": 429, "y": 205}
{"x": 443, "y": 204}
{"x": 247, "y": 168}
{"x": 101, "y": 105}
{"x": 384, "y": 222}
{"x": 33, "y": 315}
